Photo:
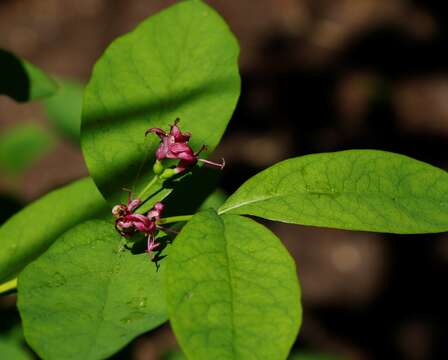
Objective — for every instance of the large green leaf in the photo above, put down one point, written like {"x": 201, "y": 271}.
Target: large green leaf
{"x": 21, "y": 80}
{"x": 65, "y": 107}
{"x": 232, "y": 290}
{"x": 87, "y": 297}
{"x": 214, "y": 200}
{"x": 356, "y": 190}
{"x": 12, "y": 344}
{"x": 21, "y": 146}
{"x": 28, "y": 233}
{"x": 181, "y": 63}
{"x": 10, "y": 350}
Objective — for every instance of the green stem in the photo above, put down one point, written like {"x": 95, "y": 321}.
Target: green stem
{"x": 147, "y": 187}
{"x": 173, "y": 219}
{"x": 7, "y": 286}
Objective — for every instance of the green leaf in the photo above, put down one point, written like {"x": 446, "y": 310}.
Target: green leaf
{"x": 28, "y": 233}
{"x": 87, "y": 297}
{"x": 232, "y": 290}
{"x": 64, "y": 108}
{"x": 10, "y": 350}
{"x": 21, "y": 146}
{"x": 21, "y": 80}
{"x": 181, "y": 62}
{"x": 214, "y": 200}
{"x": 356, "y": 190}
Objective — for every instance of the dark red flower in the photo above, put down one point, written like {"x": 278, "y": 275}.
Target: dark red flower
{"x": 127, "y": 223}
{"x": 174, "y": 145}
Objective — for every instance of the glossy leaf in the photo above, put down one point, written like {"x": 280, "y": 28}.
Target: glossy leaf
{"x": 232, "y": 290}
{"x": 214, "y": 200}
{"x": 21, "y": 146}
{"x": 10, "y": 350}
{"x": 21, "y": 80}
{"x": 181, "y": 62}
{"x": 356, "y": 190}
{"x": 64, "y": 108}
{"x": 28, "y": 233}
{"x": 87, "y": 296}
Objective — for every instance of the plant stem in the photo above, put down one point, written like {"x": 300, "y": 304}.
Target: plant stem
{"x": 7, "y": 286}
{"x": 174, "y": 219}
{"x": 148, "y": 186}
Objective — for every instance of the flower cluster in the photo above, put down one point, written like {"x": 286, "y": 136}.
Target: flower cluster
{"x": 128, "y": 223}
{"x": 174, "y": 145}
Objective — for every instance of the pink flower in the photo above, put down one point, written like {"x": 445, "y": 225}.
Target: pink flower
{"x": 174, "y": 145}
{"x": 156, "y": 211}
{"x": 127, "y": 223}
{"x": 121, "y": 210}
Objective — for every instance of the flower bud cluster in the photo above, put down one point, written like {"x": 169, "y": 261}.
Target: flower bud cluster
{"x": 128, "y": 223}
{"x": 173, "y": 145}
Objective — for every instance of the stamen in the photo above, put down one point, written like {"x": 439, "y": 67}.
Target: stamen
{"x": 214, "y": 164}
{"x": 130, "y": 192}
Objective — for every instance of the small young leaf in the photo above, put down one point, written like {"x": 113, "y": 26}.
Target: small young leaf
{"x": 21, "y": 146}
{"x": 28, "y": 233}
{"x": 232, "y": 290}
{"x": 366, "y": 190}
{"x": 181, "y": 63}
{"x": 87, "y": 297}
{"x": 64, "y": 108}
{"x": 21, "y": 80}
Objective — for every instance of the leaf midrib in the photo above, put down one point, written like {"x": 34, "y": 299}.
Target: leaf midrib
{"x": 330, "y": 193}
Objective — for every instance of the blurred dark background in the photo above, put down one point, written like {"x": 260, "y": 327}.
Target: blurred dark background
{"x": 317, "y": 75}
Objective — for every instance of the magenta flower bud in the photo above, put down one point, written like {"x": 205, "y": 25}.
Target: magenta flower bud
{"x": 127, "y": 223}
{"x": 118, "y": 211}
{"x": 174, "y": 145}
{"x": 121, "y": 210}
{"x": 156, "y": 211}
{"x": 179, "y": 136}
{"x": 159, "y": 206}
{"x": 133, "y": 204}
